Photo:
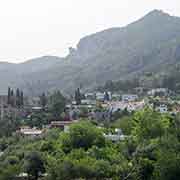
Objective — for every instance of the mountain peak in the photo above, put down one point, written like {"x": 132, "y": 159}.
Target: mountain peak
{"x": 155, "y": 17}
{"x": 156, "y": 13}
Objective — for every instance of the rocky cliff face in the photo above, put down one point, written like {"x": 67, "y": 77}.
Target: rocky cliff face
{"x": 149, "y": 44}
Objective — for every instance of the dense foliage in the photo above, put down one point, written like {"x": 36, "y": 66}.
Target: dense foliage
{"x": 150, "y": 151}
{"x": 53, "y": 106}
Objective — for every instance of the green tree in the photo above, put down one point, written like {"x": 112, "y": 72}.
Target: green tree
{"x": 148, "y": 124}
{"x": 9, "y": 96}
{"x": 106, "y": 96}
{"x": 57, "y": 104}
{"x": 43, "y": 100}
{"x": 9, "y": 172}
{"x": 125, "y": 124}
{"x": 82, "y": 135}
{"x": 78, "y": 96}
{"x": 22, "y": 98}
{"x": 167, "y": 166}
{"x": 8, "y": 125}
{"x": 34, "y": 165}
{"x": 12, "y": 98}
{"x": 18, "y": 98}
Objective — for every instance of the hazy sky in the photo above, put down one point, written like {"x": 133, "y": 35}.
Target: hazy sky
{"x": 32, "y": 28}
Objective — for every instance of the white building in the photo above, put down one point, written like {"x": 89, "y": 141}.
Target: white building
{"x": 32, "y": 132}
{"x": 162, "y": 108}
{"x": 99, "y": 96}
{"x": 88, "y": 102}
{"x": 122, "y": 105}
{"x": 90, "y": 95}
{"x": 116, "y": 97}
{"x": 118, "y": 136}
{"x": 152, "y": 92}
{"x": 129, "y": 97}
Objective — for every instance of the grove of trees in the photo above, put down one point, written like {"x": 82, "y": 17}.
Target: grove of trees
{"x": 149, "y": 152}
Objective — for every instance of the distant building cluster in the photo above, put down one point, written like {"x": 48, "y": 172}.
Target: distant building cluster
{"x": 92, "y": 105}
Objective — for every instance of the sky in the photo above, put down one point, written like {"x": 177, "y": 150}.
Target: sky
{"x": 34, "y": 28}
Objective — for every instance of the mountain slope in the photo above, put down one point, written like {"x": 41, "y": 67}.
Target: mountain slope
{"x": 14, "y": 75}
{"x": 148, "y": 44}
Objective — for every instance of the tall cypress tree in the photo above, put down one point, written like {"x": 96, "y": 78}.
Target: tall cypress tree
{"x": 12, "y": 98}
{"x": 9, "y": 96}
{"x": 106, "y": 96}
{"x": 43, "y": 100}
{"x": 22, "y": 98}
{"x": 18, "y": 98}
{"x": 78, "y": 96}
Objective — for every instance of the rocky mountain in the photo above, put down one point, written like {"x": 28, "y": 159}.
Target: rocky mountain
{"x": 150, "y": 44}
{"x": 13, "y": 75}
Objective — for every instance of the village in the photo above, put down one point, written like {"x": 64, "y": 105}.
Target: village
{"x": 101, "y": 107}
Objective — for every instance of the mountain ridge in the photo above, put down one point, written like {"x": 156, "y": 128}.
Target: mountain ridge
{"x": 147, "y": 44}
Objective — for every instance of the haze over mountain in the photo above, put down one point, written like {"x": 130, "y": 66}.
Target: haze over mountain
{"x": 149, "y": 44}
